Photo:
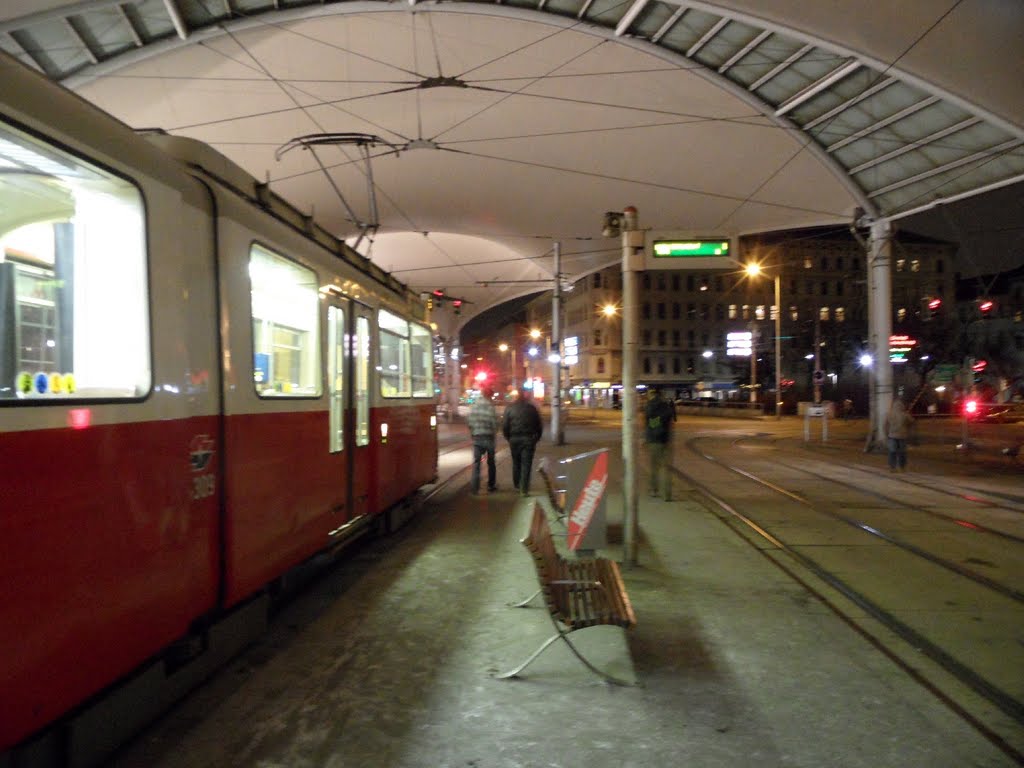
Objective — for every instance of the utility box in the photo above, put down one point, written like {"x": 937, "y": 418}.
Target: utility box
{"x": 584, "y": 479}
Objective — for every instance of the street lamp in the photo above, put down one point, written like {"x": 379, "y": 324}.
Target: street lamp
{"x": 753, "y": 270}
{"x": 503, "y": 347}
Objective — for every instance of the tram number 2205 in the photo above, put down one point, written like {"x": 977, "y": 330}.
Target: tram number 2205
{"x": 203, "y": 486}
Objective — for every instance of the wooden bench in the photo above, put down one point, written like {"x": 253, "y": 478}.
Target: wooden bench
{"x": 578, "y": 593}
{"x": 557, "y": 501}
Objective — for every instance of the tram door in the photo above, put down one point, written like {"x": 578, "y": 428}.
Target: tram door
{"x": 338, "y": 384}
{"x": 360, "y": 367}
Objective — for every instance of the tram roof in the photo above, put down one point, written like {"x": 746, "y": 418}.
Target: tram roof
{"x": 501, "y": 127}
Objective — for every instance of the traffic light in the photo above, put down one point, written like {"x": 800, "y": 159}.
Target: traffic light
{"x": 457, "y": 306}
{"x": 971, "y": 408}
{"x": 934, "y": 304}
{"x": 985, "y": 306}
{"x": 481, "y": 376}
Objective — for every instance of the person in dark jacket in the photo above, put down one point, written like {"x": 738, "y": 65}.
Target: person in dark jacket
{"x": 659, "y": 417}
{"x": 522, "y": 427}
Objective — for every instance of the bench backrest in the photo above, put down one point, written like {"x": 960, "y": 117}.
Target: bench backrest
{"x": 541, "y": 545}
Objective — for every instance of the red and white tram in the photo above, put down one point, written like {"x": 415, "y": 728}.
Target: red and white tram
{"x": 199, "y": 390}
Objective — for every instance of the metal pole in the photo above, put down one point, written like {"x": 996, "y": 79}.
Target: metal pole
{"x": 778, "y": 347}
{"x": 514, "y": 379}
{"x": 557, "y": 433}
{"x": 632, "y": 262}
{"x": 753, "y": 363}
{"x": 880, "y": 325}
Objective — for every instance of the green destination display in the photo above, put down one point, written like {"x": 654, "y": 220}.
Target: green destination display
{"x": 683, "y": 249}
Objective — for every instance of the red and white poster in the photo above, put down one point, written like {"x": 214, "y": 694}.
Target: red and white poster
{"x": 588, "y": 501}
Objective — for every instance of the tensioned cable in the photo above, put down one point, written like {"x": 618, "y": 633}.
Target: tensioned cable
{"x": 513, "y": 93}
{"x": 651, "y": 184}
{"x": 813, "y": 135}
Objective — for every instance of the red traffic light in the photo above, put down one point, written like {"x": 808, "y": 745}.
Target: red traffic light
{"x": 971, "y": 407}
{"x": 986, "y": 305}
{"x": 934, "y": 303}
{"x": 481, "y": 376}
{"x": 438, "y": 292}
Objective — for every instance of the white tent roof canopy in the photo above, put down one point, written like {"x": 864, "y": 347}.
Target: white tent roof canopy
{"x": 494, "y": 129}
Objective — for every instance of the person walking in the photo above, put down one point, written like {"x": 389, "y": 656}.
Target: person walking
{"x": 522, "y": 427}
{"x": 897, "y": 430}
{"x": 660, "y": 414}
{"x": 483, "y": 427}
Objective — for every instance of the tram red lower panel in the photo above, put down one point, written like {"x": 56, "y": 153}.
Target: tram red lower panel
{"x": 105, "y": 558}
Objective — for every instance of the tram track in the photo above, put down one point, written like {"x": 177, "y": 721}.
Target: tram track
{"x": 793, "y": 533}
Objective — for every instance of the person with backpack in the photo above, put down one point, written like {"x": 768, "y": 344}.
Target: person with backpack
{"x": 660, "y": 414}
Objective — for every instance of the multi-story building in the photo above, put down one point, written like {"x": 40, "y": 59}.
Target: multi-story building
{"x": 686, "y": 318}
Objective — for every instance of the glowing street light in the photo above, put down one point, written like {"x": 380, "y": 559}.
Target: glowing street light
{"x": 753, "y": 270}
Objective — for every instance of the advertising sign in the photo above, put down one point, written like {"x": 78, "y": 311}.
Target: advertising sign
{"x": 586, "y": 480}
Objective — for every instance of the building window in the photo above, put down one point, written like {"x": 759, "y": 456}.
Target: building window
{"x": 676, "y": 365}
{"x": 647, "y": 281}
{"x": 733, "y": 309}
{"x": 661, "y": 365}
{"x": 794, "y": 313}
{"x": 597, "y": 279}
{"x": 839, "y": 263}
{"x": 856, "y": 265}
{"x": 901, "y": 264}
{"x": 808, "y": 263}
{"x": 675, "y": 337}
{"x": 719, "y": 312}
{"x": 645, "y": 337}
{"x": 719, "y": 284}
{"x": 647, "y": 365}
{"x": 793, "y": 288}
{"x": 773, "y": 312}
{"x": 675, "y": 310}
{"x": 824, "y": 263}
{"x": 901, "y": 314}
{"x": 839, "y": 287}
{"x": 759, "y": 312}
{"x": 600, "y": 365}
{"x": 915, "y": 265}
{"x": 661, "y": 310}
{"x": 689, "y": 283}
{"x": 689, "y": 337}
{"x": 646, "y": 310}
{"x": 823, "y": 313}
{"x": 675, "y": 282}
{"x": 662, "y": 338}
{"x": 597, "y": 337}
{"x": 691, "y": 311}
{"x": 705, "y": 312}
{"x": 939, "y": 266}
{"x": 704, "y": 339}
{"x": 840, "y": 314}
{"x": 824, "y": 288}
{"x": 746, "y": 312}
{"x": 661, "y": 281}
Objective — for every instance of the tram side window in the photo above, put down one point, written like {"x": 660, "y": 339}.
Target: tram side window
{"x": 422, "y": 361}
{"x": 285, "y": 325}
{"x": 394, "y": 363}
{"x": 74, "y": 297}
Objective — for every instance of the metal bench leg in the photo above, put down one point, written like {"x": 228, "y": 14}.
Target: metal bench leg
{"x": 564, "y": 636}
{"x": 529, "y": 661}
{"x": 527, "y": 601}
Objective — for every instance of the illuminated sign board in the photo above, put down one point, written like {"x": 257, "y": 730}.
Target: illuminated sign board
{"x": 686, "y": 249}
{"x": 679, "y": 250}
{"x": 571, "y": 351}
{"x": 739, "y": 344}
{"x": 899, "y": 347}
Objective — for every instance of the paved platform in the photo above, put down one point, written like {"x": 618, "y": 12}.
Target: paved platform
{"x": 389, "y": 660}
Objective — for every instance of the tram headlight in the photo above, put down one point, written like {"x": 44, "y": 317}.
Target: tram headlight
{"x": 383, "y": 432}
